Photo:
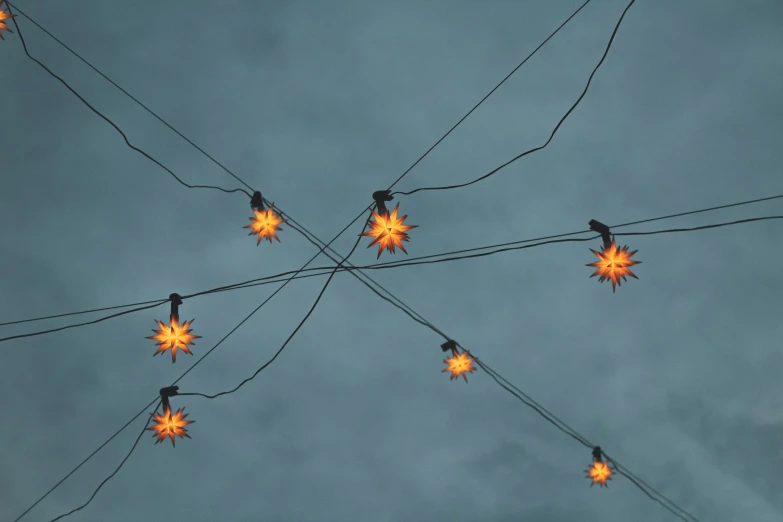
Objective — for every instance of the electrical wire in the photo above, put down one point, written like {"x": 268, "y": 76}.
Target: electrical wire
{"x": 345, "y": 259}
{"x": 305, "y": 233}
{"x": 101, "y": 319}
{"x": 94, "y": 310}
{"x": 228, "y": 171}
{"x": 551, "y": 136}
{"x": 129, "y": 95}
{"x": 648, "y": 490}
{"x": 135, "y": 443}
{"x": 516, "y": 392}
{"x": 110, "y": 122}
{"x": 419, "y": 260}
{"x": 83, "y": 462}
{"x": 298, "y": 327}
{"x": 174, "y": 383}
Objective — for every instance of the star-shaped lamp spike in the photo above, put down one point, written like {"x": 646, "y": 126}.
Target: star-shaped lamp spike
{"x": 600, "y": 472}
{"x": 170, "y": 425}
{"x": 265, "y": 222}
{"x": 4, "y": 16}
{"x": 459, "y": 363}
{"x": 388, "y": 231}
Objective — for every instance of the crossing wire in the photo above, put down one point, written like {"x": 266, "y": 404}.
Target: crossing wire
{"x": 418, "y": 260}
{"x": 191, "y": 186}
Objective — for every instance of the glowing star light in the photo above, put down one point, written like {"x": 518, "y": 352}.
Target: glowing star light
{"x": 168, "y": 425}
{"x": 388, "y": 231}
{"x": 459, "y": 364}
{"x": 599, "y": 473}
{"x": 613, "y": 263}
{"x": 265, "y": 224}
{"x": 174, "y": 337}
{"x": 4, "y": 16}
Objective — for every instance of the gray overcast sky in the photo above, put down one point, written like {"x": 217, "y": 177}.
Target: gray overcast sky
{"x": 318, "y": 104}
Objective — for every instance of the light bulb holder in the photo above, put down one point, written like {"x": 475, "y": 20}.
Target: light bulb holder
{"x": 176, "y": 300}
{"x": 597, "y": 454}
{"x": 381, "y": 197}
{"x": 606, "y": 235}
{"x": 257, "y": 201}
{"x": 165, "y": 393}
{"x": 451, "y": 344}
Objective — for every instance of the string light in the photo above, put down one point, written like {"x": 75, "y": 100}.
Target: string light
{"x": 459, "y": 364}
{"x": 387, "y": 230}
{"x": 600, "y": 472}
{"x": 613, "y": 263}
{"x": 265, "y": 222}
{"x": 174, "y": 336}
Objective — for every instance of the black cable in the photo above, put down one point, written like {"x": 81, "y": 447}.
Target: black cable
{"x": 155, "y": 302}
{"x": 101, "y": 319}
{"x": 107, "y": 120}
{"x": 174, "y": 383}
{"x": 651, "y": 492}
{"x": 703, "y": 227}
{"x": 490, "y": 92}
{"x": 526, "y": 243}
{"x": 551, "y": 136}
{"x": 710, "y": 209}
{"x": 298, "y": 327}
{"x": 216, "y": 162}
{"x": 528, "y": 401}
{"x": 338, "y": 266}
{"x": 398, "y": 179}
{"x": 135, "y": 443}
{"x": 129, "y": 95}
{"x": 83, "y": 462}
{"x": 648, "y": 490}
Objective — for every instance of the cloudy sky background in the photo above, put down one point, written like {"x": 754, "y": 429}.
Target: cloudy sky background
{"x": 318, "y": 104}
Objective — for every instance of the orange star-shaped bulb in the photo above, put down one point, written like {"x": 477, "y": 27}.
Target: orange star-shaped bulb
{"x": 4, "y": 16}
{"x": 265, "y": 224}
{"x": 388, "y": 231}
{"x": 168, "y": 425}
{"x": 599, "y": 473}
{"x": 174, "y": 336}
{"x": 613, "y": 263}
{"x": 459, "y": 364}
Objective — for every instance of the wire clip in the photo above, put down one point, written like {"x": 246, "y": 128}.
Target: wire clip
{"x": 380, "y": 197}
{"x": 176, "y": 300}
{"x": 257, "y": 201}
{"x": 165, "y": 393}
{"x": 451, "y": 344}
{"x": 597, "y": 226}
